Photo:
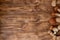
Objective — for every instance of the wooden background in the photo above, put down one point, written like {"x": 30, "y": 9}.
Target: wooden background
{"x": 25, "y": 19}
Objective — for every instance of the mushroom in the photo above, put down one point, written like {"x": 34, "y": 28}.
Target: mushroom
{"x": 57, "y": 14}
{"x": 58, "y": 20}
{"x": 55, "y": 30}
{"x": 58, "y": 10}
{"x": 58, "y": 27}
{"x": 53, "y": 4}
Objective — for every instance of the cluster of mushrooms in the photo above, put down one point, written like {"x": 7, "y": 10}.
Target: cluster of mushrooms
{"x": 55, "y": 19}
